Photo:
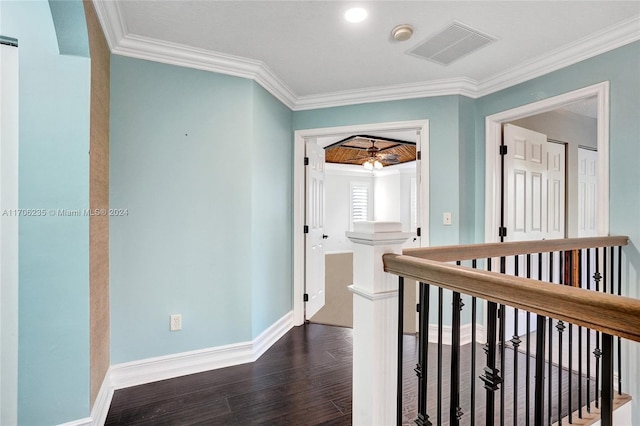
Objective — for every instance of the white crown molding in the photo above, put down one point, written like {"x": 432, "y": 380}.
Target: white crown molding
{"x": 610, "y": 38}
{"x": 455, "y": 86}
{"x": 121, "y": 42}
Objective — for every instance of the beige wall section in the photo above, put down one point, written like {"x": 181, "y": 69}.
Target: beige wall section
{"x": 98, "y": 199}
{"x": 338, "y": 307}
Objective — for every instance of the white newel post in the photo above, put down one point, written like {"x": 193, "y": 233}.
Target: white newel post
{"x": 375, "y": 322}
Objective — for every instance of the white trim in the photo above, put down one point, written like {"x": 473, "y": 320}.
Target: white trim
{"x": 175, "y": 365}
{"x": 271, "y": 335}
{"x": 425, "y": 89}
{"x": 338, "y": 252}
{"x": 122, "y": 42}
{"x": 493, "y": 134}
{"x": 610, "y": 38}
{"x": 103, "y": 401}
{"x": 9, "y": 153}
{"x": 299, "y": 191}
{"x": 87, "y": 421}
{"x": 181, "y": 364}
{"x": 465, "y": 334}
{"x": 372, "y": 296}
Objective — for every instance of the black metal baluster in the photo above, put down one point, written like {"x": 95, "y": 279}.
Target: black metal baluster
{"x": 527, "y": 407}
{"x": 455, "y": 412}
{"x": 560, "y": 327}
{"x": 540, "y": 359}
{"x": 439, "y": 389}
{"x": 550, "y": 378}
{"x": 580, "y": 284}
{"x": 423, "y": 355}
{"x": 569, "y": 264}
{"x": 596, "y": 352}
{"x": 619, "y": 338}
{"x": 502, "y": 316}
{"x": 606, "y": 413}
{"x": 400, "y": 338}
{"x": 474, "y": 265}
{"x": 491, "y": 377}
{"x": 515, "y": 341}
{"x": 588, "y": 354}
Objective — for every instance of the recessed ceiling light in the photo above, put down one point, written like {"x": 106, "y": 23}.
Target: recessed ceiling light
{"x": 355, "y": 15}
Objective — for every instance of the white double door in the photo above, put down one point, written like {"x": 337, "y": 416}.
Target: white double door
{"x": 534, "y": 202}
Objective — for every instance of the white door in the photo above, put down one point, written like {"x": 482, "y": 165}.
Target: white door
{"x": 556, "y": 190}
{"x": 587, "y": 204}
{"x": 525, "y": 190}
{"x": 534, "y": 173}
{"x": 587, "y": 192}
{"x": 314, "y": 238}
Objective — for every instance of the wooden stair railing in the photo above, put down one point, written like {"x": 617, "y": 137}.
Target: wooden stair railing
{"x": 606, "y": 313}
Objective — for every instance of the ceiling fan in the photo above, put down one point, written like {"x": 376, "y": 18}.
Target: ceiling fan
{"x": 376, "y": 159}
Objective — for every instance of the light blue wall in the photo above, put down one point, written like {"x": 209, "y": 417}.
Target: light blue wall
{"x": 621, "y": 67}
{"x": 202, "y": 162}
{"x": 272, "y": 241}
{"x": 53, "y": 375}
{"x": 180, "y": 149}
{"x": 442, "y": 113}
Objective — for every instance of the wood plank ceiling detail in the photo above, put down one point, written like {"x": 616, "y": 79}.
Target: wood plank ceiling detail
{"x": 358, "y": 148}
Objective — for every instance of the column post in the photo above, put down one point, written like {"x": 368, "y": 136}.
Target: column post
{"x": 375, "y": 322}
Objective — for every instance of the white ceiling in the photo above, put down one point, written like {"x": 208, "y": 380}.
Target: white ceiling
{"x": 308, "y": 56}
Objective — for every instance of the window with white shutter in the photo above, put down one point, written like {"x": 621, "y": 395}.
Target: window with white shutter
{"x": 360, "y": 198}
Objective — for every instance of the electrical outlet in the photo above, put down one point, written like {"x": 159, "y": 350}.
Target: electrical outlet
{"x": 175, "y": 322}
{"x": 446, "y": 218}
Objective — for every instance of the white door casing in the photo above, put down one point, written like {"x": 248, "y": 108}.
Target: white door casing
{"x": 9, "y": 234}
{"x": 493, "y": 137}
{"x": 299, "y": 190}
{"x": 314, "y": 241}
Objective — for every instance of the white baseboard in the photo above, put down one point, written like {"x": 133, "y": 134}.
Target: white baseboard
{"x": 181, "y": 364}
{"x": 81, "y": 422}
{"x": 100, "y": 406}
{"x": 447, "y": 332}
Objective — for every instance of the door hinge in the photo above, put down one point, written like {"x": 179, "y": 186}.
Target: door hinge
{"x": 418, "y": 307}
{"x": 418, "y": 231}
{"x": 305, "y": 298}
{"x": 502, "y": 231}
{"x": 419, "y": 155}
{"x": 503, "y": 149}
{"x": 306, "y": 229}
{"x": 306, "y": 161}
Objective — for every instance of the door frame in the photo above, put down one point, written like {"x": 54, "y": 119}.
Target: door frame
{"x": 493, "y": 140}
{"x": 299, "y": 191}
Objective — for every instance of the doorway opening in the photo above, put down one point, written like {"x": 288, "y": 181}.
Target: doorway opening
{"x": 325, "y": 137}
{"x": 493, "y": 129}
{"x": 570, "y": 218}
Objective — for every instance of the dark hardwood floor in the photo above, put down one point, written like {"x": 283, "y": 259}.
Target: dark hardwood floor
{"x": 304, "y": 379}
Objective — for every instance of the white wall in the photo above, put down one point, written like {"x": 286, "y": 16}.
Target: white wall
{"x": 390, "y": 199}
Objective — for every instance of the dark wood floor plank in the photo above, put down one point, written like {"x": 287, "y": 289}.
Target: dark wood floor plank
{"x": 303, "y": 379}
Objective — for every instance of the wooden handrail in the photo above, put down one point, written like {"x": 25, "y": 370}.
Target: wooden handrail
{"x": 612, "y": 314}
{"x": 484, "y": 251}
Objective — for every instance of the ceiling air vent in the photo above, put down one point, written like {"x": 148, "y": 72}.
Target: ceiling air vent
{"x": 451, "y": 44}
